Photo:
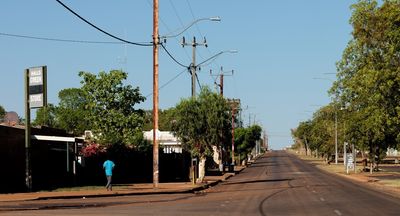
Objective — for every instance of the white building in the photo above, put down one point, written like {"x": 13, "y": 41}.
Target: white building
{"x": 167, "y": 141}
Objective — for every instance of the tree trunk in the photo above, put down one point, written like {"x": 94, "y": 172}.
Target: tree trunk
{"x": 202, "y": 168}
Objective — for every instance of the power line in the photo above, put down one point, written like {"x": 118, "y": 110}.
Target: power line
{"x": 169, "y": 81}
{"x": 166, "y": 26}
{"x": 198, "y": 29}
{"x": 58, "y": 39}
{"x": 176, "y": 13}
{"x": 172, "y": 57}
{"x": 101, "y": 30}
{"x": 198, "y": 82}
{"x": 191, "y": 11}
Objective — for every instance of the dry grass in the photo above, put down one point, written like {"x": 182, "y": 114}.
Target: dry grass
{"x": 391, "y": 183}
{"x": 386, "y": 177}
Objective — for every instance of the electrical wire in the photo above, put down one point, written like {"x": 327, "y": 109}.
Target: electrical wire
{"x": 58, "y": 39}
{"x": 176, "y": 12}
{"x": 198, "y": 29}
{"x": 101, "y": 30}
{"x": 166, "y": 26}
{"x": 180, "y": 21}
{"x": 198, "y": 82}
{"x": 191, "y": 11}
{"x": 167, "y": 83}
{"x": 172, "y": 57}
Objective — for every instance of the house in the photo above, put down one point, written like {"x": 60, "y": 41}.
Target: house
{"x": 168, "y": 142}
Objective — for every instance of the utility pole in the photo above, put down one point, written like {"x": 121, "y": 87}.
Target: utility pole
{"x": 193, "y": 67}
{"x": 221, "y": 75}
{"x": 155, "y": 94}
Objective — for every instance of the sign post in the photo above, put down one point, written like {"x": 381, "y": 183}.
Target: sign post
{"x": 35, "y": 97}
{"x": 351, "y": 160}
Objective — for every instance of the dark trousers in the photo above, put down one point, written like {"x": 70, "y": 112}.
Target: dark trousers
{"x": 109, "y": 185}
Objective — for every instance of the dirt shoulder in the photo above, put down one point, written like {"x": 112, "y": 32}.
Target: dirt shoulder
{"x": 386, "y": 180}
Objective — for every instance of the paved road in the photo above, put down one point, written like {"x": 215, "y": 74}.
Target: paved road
{"x": 277, "y": 184}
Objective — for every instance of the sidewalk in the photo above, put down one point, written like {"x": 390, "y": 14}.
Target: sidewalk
{"x": 121, "y": 190}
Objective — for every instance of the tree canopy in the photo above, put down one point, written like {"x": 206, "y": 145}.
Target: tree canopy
{"x": 367, "y": 89}
{"x": 111, "y": 105}
{"x": 246, "y": 138}
{"x": 104, "y": 104}
{"x": 202, "y": 122}
{"x": 71, "y": 111}
{"x": 2, "y": 113}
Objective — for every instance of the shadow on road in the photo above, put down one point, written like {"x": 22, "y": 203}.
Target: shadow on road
{"x": 258, "y": 181}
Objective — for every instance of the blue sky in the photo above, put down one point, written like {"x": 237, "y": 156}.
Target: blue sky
{"x": 282, "y": 45}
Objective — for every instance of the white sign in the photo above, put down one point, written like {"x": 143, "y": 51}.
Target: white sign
{"x": 350, "y": 161}
{"x": 35, "y": 76}
{"x": 36, "y": 100}
{"x": 35, "y": 80}
{"x": 37, "y": 90}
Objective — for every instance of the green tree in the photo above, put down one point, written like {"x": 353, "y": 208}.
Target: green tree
{"x": 165, "y": 120}
{"x": 72, "y": 114}
{"x": 318, "y": 134}
{"x": 2, "y": 113}
{"x": 246, "y": 138}
{"x": 111, "y": 106}
{"x": 201, "y": 123}
{"x": 46, "y": 116}
{"x": 368, "y": 77}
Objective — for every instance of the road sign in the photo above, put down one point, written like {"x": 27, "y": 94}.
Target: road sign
{"x": 37, "y": 86}
{"x": 350, "y": 161}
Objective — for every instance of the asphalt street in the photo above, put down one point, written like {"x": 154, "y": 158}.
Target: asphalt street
{"x": 276, "y": 184}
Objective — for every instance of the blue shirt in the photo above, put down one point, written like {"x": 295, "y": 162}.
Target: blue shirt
{"x": 108, "y": 166}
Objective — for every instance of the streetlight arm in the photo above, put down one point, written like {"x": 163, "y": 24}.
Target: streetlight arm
{"x": 216, "y": 55}
{"x": 217, "y": 18}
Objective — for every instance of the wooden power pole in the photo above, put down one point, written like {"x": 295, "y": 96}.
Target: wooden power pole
{"x": 155, "y": 94}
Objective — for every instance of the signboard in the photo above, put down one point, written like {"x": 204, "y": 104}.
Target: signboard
{"x": 37, "y": 86}
{"x": 350, "y": 161}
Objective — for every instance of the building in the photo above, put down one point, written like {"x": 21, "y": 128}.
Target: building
{"x": 167, "y": 141}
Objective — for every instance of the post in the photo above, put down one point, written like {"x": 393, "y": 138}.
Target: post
{"x": 28, "y": 177}
{"x": 233, "y": 136}
{"x": 344, "y": 154}
{"x": 67, "y": 155}
{"x": 155, "y": 93}
{"x": 193, "y": 68}
{"x": 336, "y": 139}
{"x": 355, "y": 157}
{"x": 221, "y": 83}
{"x": 74, "y": 162}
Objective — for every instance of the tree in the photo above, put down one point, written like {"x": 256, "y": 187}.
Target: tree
{"x": 72, "y": 115}
{"x": 46, "y": 116}
{"x": 201, "y": 123}
{"x": 165, "y": 120}
{"x": 111, "y": 107}
{"x": 318, "y": 134}
{"x": 2, "y": 113}
{"x": 368, "y": 77}
{"x": 246, "y": 138}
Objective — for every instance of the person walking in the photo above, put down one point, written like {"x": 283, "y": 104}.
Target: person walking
{"x": 108, "y": 168}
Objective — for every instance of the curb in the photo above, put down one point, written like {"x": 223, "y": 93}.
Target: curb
{"x": 154, "y": 192}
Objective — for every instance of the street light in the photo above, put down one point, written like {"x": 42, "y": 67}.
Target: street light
{"x": 215, "y": 19}
{"x": 216, "y": 55}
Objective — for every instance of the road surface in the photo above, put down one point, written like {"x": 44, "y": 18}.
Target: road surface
{"x": 276, "y": 184}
